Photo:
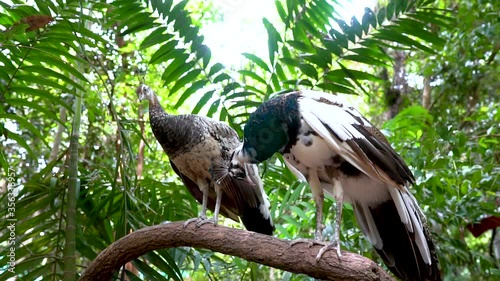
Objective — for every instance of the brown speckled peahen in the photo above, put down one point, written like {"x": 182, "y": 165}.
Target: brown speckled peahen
{"x": 199, "y": 148}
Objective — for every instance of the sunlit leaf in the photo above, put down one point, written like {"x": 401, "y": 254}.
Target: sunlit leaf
{"x": 258, "y": 61}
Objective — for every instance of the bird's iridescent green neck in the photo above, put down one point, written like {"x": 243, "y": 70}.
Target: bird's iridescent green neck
{"x": 271, "y": 127}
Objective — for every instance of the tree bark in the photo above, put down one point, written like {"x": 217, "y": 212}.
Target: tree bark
{"x": 426, "y": 93}
{"x": 398, "y": 89}
{"x": 263, "y": 249}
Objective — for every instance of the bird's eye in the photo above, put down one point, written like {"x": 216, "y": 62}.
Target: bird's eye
{"x": 237, "y": 172}
{"x": 265, "y": 135}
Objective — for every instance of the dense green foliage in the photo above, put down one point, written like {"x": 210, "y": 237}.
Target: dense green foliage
{"x": 92, "y": 54}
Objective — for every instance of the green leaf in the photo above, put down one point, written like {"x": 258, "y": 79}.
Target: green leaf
{"x": 158, "y": 262}
{"x": 339, "y": 38}
{"x": 300, "y": 33}
{"x": 191, "y": 90}
{"x": 355, "y": 74}
{"x": 356, "y": 27}
{"x": 311, "y": 29}
{"x": 202, "y": 102}
{"x": 397, "y": 37}
{"x": 258, "y": 61}
{"x": 253, "y": 76}
{"x": 275, "y": 81}
{"x": 301, "y": 46}
{"x": 247, "y": 104}
{"x": 164, "y": 53}
{"x": 368, "y": 19}
{"x": 296, "y": 210}
{"x": 215, "y": 69}
{"x": 35, "y": 106}
{"x": 332, "y": 46}
{"x": 381, "y": 15}
{"x": 401, "y": 6}
{"x": 343, "y": 26}
{"x": 148, "y": 272}
{"x": 433, "y": 18}
{"x": 242, "y": 94}
{"x": 51, "y": 73}
{"x": 222, "y": 77}
{"x": 309, "y": 70}
{"x": 213, "y": 108}
{"x": 290, "y": 61}
{"x": 64, "y": 66}
{"x": 205, "y": 53}
{"x": 322, "y": 58}
{"x": 184, "y": 80}
{"x": 390, "y": 9}
{"x": 28, "y": 91}
{"x": 176, "y": 68}
{"x": 162, "y": 6}
{"x": 366, "y": 60}
{"x": 26, "y": 124}
{"x": 157, "y": 36}
{"x": 139, "y": 22}
{"x": 5, "y": 164}
{"x": 42, "y": 80}
{"x": 282, "y": 13}
{"x": 273, "y": 39}
{"x": 231, "y": 87}
{"x": 305, "y": 82}
{"x": 279, "y": 71}
{"x": 22, "y": 142}
{"x": 177, "y": 11}
{"x": 336, "y": 88}
{"x": 418, "y": 29}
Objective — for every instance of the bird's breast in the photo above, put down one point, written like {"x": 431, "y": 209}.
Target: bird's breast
{"x": 198, "y": 160}
{"x": 311, "y": 151}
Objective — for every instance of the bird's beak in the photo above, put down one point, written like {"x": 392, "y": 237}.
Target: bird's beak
{"x": 241, "y": 156}
{"x": 238, "y": 168}
{"x": 247, "y": 179}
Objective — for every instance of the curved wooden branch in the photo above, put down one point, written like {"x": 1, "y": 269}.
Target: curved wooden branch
{"x": 248, "y": 245}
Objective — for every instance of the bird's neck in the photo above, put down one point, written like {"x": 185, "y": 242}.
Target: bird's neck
{"x": 155, "y": 108}
{"x": 169, "y": 130}
{"x": 289, "y": 113}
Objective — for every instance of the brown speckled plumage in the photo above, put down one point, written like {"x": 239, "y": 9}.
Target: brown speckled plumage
{"x": 196, "y": 146}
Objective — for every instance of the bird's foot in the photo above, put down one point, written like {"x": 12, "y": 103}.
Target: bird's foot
{"x": 309, "y": 242}
{"x": 198, "y": 219}
{"x": 327, "y": 247}
{"x": 205, "y": 221}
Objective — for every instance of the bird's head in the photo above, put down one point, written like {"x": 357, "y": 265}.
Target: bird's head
{"x": 238, "y": 163}
{"x": 267, "y": 131}
{"x": 144, "y": 92}
{"x": 238, "y": 166}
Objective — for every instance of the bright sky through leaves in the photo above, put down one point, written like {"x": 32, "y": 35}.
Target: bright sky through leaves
{"x": 241, "y": 29}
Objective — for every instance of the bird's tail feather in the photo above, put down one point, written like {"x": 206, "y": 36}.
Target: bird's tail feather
{"x": 256, "y": 220}
{"x": 248, "y": 197}
{"x": 400, "y": 245}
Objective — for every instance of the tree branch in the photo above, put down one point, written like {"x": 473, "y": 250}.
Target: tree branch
{"x": 250, "y": 246}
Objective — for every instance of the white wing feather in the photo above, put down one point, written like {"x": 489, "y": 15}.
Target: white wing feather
{"x": 337, "y": 117}
{"x": 295, "y": 171}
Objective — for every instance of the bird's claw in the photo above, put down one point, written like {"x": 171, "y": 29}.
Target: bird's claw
{"x": 309, "y": 242}
{"x": 205, "y": 221}
{"x": 186, "y": 223}
{"x": 328, "y": 247}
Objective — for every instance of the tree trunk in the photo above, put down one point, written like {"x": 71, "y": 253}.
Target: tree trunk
{"x": 426, "y": 93}
{"x": 395, "y": 94}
